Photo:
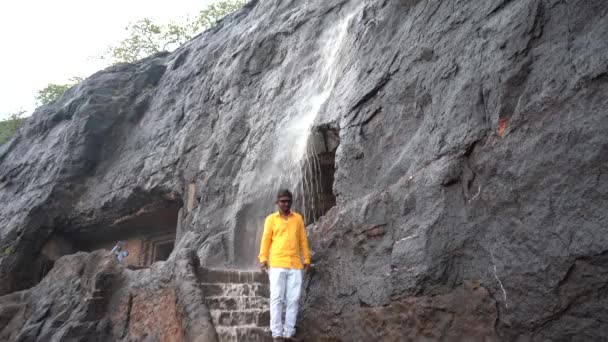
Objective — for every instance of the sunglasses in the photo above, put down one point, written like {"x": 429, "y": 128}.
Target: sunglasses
{"x": 284, "y": 201}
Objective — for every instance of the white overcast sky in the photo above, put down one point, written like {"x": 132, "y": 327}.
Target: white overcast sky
{"x": 47, "y": 41}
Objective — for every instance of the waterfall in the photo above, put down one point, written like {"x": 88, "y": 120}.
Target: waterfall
{"x": 294, "y": 161}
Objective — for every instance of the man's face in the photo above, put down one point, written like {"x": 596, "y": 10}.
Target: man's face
{"x": 284, "y": 203}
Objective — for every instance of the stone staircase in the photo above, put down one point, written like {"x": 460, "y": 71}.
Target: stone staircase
{"x": 238, "y": 303}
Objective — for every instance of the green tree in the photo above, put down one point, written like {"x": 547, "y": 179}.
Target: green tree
{"x": 52, "y": 91}
{"x": 208, "y": 17}
{"x": 145, "y": 37}
{"x": 9, "y": 126}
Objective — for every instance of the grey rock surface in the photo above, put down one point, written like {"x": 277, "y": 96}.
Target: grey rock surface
{"x": 90, "y": 297}
{"x": 470, "y": 176}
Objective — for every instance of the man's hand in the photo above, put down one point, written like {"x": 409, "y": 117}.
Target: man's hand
{"x": 306, "y": 268}
{"x": 264, "y": 266}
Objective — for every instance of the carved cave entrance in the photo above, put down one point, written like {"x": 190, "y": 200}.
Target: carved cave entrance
{"x": 149, "y": 235}
{"x": 319, "y": 171}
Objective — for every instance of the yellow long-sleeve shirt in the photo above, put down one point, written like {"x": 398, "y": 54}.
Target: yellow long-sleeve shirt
{"x": 284, "y": 241}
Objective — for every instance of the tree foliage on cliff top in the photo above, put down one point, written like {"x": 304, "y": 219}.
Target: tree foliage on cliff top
{"x": 9, "y": 126}
{"x": 52, "y": 91}
{"x": 145, "y": 37}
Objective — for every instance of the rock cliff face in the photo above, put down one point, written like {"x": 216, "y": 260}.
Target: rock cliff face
{"x": 469, "y": 166}
{"x": 90, "y": 297}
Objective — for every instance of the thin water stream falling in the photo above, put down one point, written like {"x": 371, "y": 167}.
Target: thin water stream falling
{"x": 294, "y": 164}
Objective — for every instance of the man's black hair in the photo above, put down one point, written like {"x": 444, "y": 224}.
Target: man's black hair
{"x": 284, "y": 193}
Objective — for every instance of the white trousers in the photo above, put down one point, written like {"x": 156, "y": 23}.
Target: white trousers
{"x": 285, "y": 286}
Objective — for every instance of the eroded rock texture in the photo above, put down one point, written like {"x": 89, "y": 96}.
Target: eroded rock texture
{"x": 90, "y": 297}
{"x": 470, "y": 176}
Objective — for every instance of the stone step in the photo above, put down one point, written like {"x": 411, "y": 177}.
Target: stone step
{"x": 254, "y": 317}
{"x": 232, "y": 289}
{"x": 209, "y": 275}
{"x": 239, "y": 303}
{"x": 243, "y": 333}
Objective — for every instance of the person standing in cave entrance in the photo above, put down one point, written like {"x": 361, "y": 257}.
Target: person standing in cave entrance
{"x": 284, "y": 245}
{"x": 120, "y": 250}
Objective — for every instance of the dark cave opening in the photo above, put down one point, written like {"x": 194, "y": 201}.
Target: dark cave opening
{"x": 162, "y": 250}
{"x": 149, "y": 236}
{"x": 319, "y": 171}
{"x": 54, "y": 248}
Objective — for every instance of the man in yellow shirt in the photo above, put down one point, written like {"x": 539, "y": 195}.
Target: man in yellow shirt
{"x": 283, "y": 246}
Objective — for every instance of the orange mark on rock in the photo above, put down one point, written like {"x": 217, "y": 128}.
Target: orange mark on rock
{"x": 502, "y": 126}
